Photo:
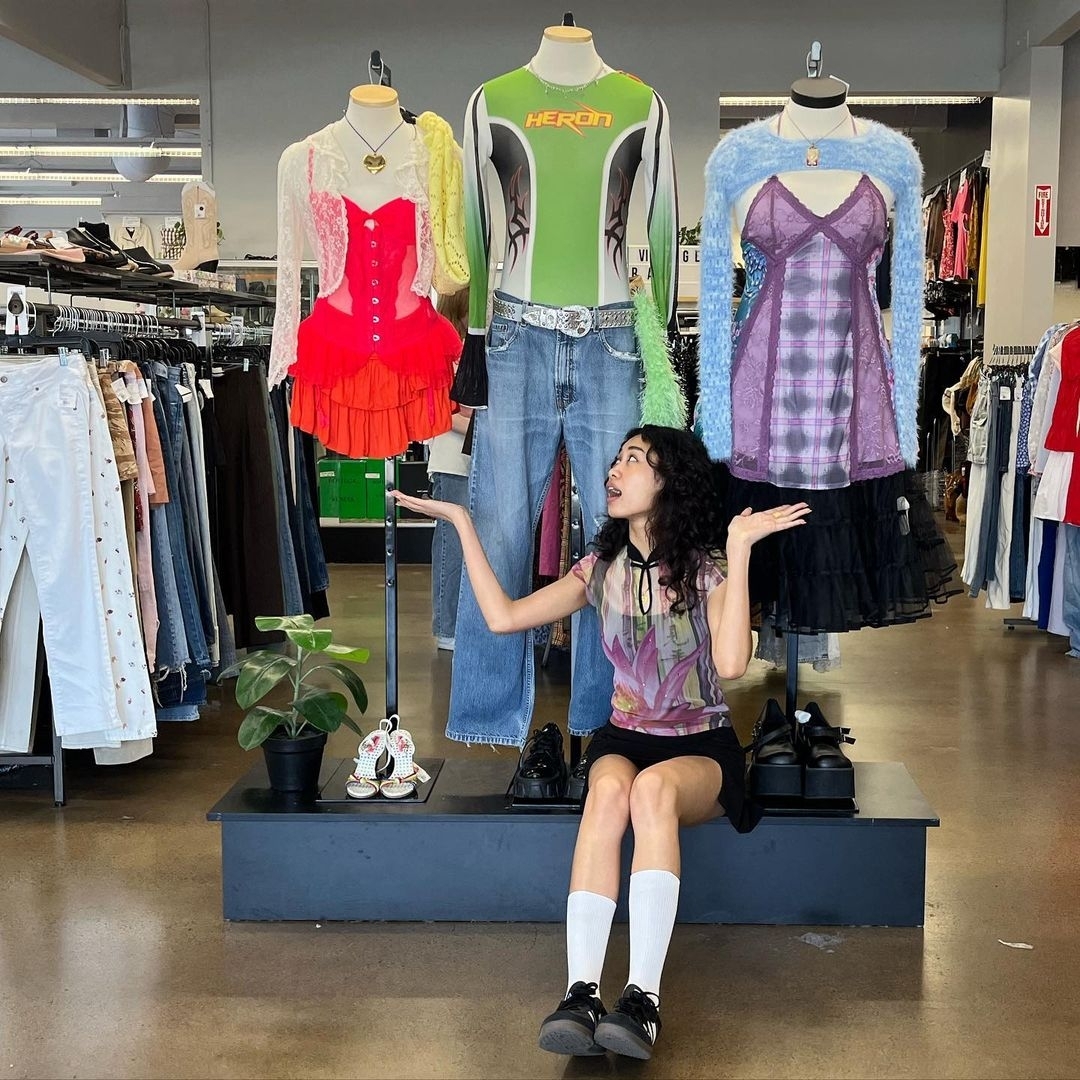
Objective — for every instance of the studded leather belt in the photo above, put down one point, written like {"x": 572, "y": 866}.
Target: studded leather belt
{"x": 575, "y": 320}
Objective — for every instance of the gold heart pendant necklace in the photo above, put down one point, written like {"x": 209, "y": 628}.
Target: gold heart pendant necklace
{"x": 373, "y": 162}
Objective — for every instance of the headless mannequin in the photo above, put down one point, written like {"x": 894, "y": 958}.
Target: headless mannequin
{"x": 567, "y": 57}
{"x": 373, "y": 112}
{"x": 826, "y": 116}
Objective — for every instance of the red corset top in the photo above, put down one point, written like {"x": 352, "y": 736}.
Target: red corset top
{"x": 380, "y": 266}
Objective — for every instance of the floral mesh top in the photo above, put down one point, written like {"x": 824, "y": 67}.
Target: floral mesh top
{"x": 665, "y": 681}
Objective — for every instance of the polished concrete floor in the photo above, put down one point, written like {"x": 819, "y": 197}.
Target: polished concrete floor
{"x": 115, "y": 962}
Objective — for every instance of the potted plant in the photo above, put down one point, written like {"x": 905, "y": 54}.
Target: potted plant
{"x": 293, "y": 737}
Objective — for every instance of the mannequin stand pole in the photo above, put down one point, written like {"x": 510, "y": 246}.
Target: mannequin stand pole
{"x": 792, "y": 675}
{"x": 390, "y": 550}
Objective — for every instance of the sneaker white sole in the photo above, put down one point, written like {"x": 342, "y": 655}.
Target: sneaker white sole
{"x": 569, "y": 1038}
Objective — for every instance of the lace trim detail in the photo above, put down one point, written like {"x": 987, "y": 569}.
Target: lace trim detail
{"x": 412, "y": 176}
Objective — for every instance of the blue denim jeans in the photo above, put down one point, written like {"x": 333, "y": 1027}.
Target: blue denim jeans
{"x": 543, "y": 386}
{"x": 446, "y": 555}
{"x": 168, "y": 408}
{"x": 1070, "y": 596}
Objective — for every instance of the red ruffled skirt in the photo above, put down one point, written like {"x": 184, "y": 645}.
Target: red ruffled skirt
{"x": 366, "y": 404}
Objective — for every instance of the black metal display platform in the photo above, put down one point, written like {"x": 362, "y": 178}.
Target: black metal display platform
{"x": 462, "y": 856}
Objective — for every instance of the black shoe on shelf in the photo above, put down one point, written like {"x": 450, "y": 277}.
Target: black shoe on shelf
{"x": 775, "y": 768}
{"x": 632, "y": 1027}
{"x": 569, "y": 1029}
{"x": 575, "y": 783}
{"x": 541, "y": 771}
{"x": 829, "y": 774}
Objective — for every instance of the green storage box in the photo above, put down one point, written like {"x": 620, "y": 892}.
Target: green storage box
{"x": 352, "y": 489}
{"x": 329, "y": 491}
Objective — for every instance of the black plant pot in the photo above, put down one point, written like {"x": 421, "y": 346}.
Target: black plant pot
{"x": 294, "y": 764}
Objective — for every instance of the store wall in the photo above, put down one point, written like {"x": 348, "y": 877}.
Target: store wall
{"x": 281, "y": 69}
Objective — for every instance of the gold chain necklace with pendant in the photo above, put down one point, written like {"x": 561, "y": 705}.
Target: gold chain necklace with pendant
{"x": 374, "y": 162}
{"x": 813, "y": 154}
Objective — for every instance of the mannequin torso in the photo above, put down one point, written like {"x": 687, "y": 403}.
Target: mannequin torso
{"x": 819, "y": 190}
{"x": 373, "y": 114}
{"x": 567, "y": 57}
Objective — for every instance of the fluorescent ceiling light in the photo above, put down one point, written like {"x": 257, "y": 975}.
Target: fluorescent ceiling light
{"x": 18, "y": 175}
{"x": 48, "y": 200}
{"x": 92, "y": 99}
{"x": 102, "y": 150}
{"x": 737, "y": 100}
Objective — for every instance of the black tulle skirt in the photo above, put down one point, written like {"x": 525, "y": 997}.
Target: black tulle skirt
{"x": 862, "y": 559}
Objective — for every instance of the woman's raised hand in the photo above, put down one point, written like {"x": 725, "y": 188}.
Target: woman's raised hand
{"x": 433, "y": 508}
{"x": 749, "y": 527}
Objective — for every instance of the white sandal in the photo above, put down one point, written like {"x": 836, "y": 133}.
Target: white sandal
{"x": 402, "y": 781}
{"x": 363, "y": 783}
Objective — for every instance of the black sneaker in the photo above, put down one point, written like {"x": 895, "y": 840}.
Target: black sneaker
{"x": 569, "y": 1029}
{"x": 631, "y": 1028}
{"x": 541, "y": 772}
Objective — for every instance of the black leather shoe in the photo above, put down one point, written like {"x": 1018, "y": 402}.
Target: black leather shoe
{"x": 775, "y": 769}
{"x": 146, "y": 263}
{"x": 575, "y": 784}
{"x": 94, "y": 251}
{"x": 541, "y": 772}
{"x": 829, "y": 774}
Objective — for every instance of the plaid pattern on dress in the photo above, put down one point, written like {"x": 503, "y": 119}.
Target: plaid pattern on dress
{"x": 813, "y": 389}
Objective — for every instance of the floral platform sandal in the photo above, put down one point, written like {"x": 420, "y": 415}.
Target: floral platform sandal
{"x": 406, "y": 773}
{"x": 364, "y": 781}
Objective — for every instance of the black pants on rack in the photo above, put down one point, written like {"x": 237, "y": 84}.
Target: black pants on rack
{"x": 247, "y": 523}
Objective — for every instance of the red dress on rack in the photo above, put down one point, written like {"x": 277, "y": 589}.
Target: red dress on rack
{"x": 1064, "y": 433}
{"x": 374, "y": 360}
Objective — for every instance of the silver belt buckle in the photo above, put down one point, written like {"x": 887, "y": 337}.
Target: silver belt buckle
{"x": 578, "y": 320}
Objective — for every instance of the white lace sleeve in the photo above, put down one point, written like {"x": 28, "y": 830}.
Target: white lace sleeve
{"x": 413, "y": 180}
{"x": 290, "y": 250}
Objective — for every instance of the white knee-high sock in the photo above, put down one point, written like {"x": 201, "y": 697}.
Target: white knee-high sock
{"x": 654, "y": 899}
{"x": 588, "y": 925}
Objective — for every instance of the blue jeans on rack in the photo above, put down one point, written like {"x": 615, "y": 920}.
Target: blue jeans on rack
{"x": 1071, "y": 589}
{"x": 168, "y": 408}
{"x": 543, "y": 386}
{"x": 446, "y": 558}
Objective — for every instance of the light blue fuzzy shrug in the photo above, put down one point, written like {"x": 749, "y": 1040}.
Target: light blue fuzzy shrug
{"x": 751, "y": 154}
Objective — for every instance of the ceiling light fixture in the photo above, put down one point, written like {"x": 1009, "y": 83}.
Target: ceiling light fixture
{"x": 111, "y": 149}
{"x": 8, "y": 176}
{"x": 92, "y": 99}
{"x": 752, "y": 100}
{"x": 49, "y": 200}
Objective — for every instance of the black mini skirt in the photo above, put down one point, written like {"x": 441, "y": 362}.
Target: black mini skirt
{"x": 721, "y": 744}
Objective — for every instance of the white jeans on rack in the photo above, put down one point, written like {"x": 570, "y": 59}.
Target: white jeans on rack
{"x": 62, "y": 509}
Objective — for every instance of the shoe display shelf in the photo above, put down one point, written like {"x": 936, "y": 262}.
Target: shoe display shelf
{"x": 107, "y": 283}
{"x": 462, "y": 855}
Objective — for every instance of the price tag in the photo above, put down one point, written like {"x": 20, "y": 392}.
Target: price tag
{"x": 207, "y": 387}
{"x": 1006, "y": 393}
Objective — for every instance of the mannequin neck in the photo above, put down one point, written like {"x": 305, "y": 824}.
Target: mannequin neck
{"x": 835, "y": 122}
{"x": 567, "y": 56}
{"x": 374, "y": 122}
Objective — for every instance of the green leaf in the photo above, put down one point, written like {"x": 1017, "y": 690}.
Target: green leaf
{"x": 312, "y": 640}
{"x": 259, "y": 675}
{"x": 284, "y": 622}
{"x": 347, "y": 652}
{"x": 351, "y": 680}
{"x": 258, "y": 726}
{"x": 323, "y": 709}
{"x": 350, "y": 723}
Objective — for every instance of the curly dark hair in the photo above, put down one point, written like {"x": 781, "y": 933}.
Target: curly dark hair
{"x": 687, "y": 522}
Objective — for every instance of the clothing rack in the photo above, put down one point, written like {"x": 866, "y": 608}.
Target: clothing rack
{"x": 1011, "y": 355}
{"x": 974, "y": 163}
{"x": 53, "y": 319}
